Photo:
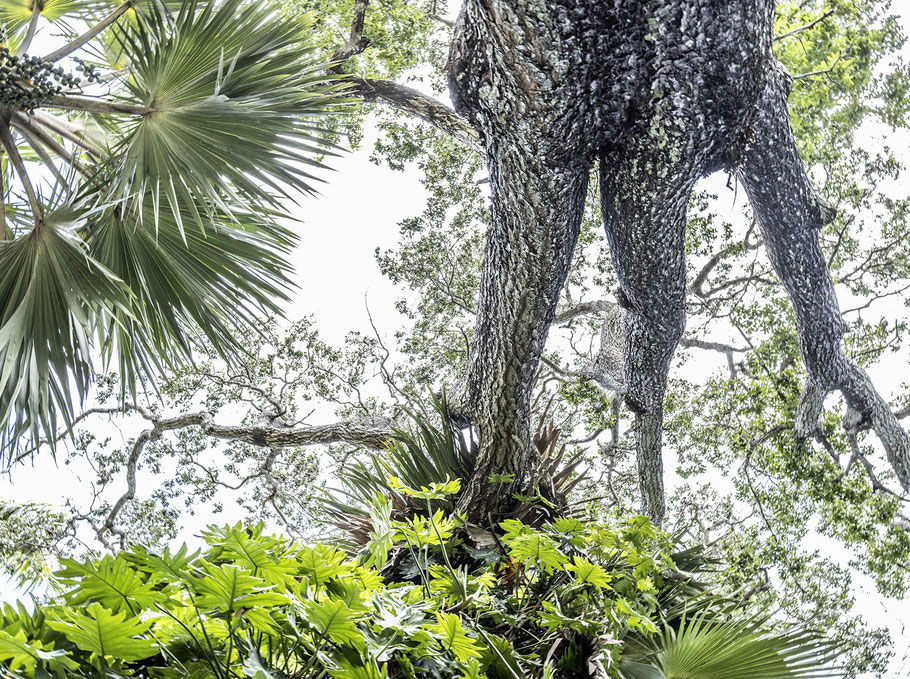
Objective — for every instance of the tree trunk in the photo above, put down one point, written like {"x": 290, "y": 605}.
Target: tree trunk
{"x": 661, "y": 92}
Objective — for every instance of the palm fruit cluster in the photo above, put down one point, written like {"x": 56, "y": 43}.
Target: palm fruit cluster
{"x": 26, "y": 82}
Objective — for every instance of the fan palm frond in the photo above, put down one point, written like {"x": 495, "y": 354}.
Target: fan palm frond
{"x": 15, "y": 14}
{"x": 53, "y": 297}
{"x": 225, "y": 116}
{"x": 215, "y": 280}
{"x": 170, "y": 171}
{"x": 713, "y": 645}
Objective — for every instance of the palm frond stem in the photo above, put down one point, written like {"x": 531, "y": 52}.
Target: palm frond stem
{"x": 67, "y": 131}
{"x": 76, "y": 103}
{"x": 7, "y": 140}
{"x": 38, "y": 148}
{"x": 24, "y": 123}
{"x": 2, "y": 209}
{"x": 30, "y": 33}
{"x": 80, "y": 40}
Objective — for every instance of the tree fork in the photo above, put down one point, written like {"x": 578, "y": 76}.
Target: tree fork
{"x": 663, "y": 92}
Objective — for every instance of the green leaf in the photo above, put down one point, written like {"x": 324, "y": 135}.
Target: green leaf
{"x": 252, "y": 552}
{"x": 103, "y": 633}
{"x": 228, "y": 588}
{"x": 165, "y": 566}
{"x": 500, "y": 655}
{"x": 435, "y": 491}
{"x": 590, "y": 573}
{"x": 382, "y": 537}
{"x": 112, "y": 582}
{"x": 18, "y": 652}
{"x": 333, "y": 620}
{"x": 233, "y": 88}
{"x": 14, "y": 14}
{"x": 705, "y": 647}
{"x": 321, "y": 563}
{"x": 220, "y": 277}
{"x": 536, "y": 549}
{"x": 51, "y": 293}
{"x": 501, "y": 478}
{"x": 451, "y": 636}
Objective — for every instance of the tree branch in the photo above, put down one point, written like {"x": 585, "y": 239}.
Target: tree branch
{"x": 368, "y": 432}
{"x": 356, "y": 42}
{"x": 372, "y": 432}
{"x": 805, "y": 27}
{"x": 599, "y": 306}
{"x": 417, "y": 104}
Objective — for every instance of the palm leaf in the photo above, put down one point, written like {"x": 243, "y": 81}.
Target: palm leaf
{"x": 178, "y": 226}
{"x": 14, "y": 14}
{"x": 52, "y": 295}
{"x": 216, "y": 280}
{"x": 710, "y": 645}
{"x": 233, "y": 91}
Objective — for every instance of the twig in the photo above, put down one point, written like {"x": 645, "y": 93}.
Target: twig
{"x": 805, "y": 27}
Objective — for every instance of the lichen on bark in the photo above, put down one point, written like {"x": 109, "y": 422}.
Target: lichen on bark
{"x": 660, "y": 93}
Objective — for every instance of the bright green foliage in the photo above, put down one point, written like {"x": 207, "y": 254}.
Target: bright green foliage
{"x": 501, "y": 614}
{"x": 104, "y": 634}
{"x": 436, "y": 491}
{"x": 451, "y": 637}
{"x": 19, "y": 653}
{"x": 109, "y": 582}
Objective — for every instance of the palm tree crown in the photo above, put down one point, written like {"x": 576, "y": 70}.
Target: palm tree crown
{"x": 143, "y": 162}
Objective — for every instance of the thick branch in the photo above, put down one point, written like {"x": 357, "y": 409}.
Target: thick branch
{"x": 599, "y": 306}
{"x": 417, "y": 104}
{"x": 373, "y": 432}
{"x": 356, "y": 42}
{"x": 368, "y": 432}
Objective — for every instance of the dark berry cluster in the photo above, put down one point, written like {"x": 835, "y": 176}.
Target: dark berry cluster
{"x": 26, "y": 82}
{"x": 91, "y": 73}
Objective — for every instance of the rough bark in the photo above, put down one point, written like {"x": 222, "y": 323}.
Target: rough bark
{"x": 661, "y": 92}
{"x": 791, "y": 216}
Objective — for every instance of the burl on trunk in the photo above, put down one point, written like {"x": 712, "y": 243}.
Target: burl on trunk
{"x": 660, "y": 93}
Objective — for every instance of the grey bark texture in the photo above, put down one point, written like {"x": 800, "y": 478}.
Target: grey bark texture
{"x": 660, "y": 93}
